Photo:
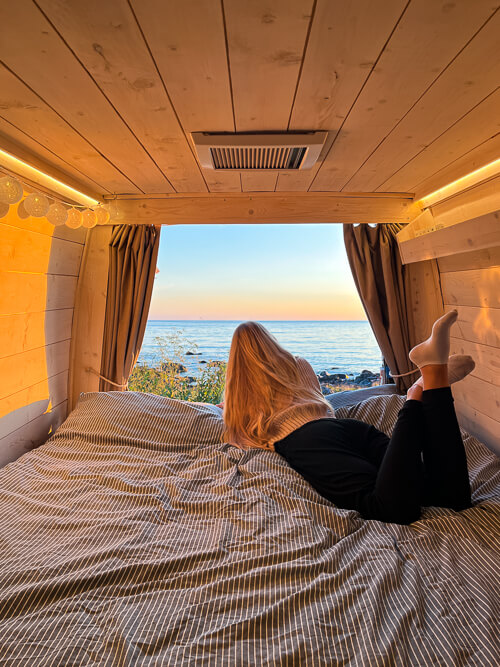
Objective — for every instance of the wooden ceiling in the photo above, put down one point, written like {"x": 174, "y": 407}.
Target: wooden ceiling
{"x": 109, "y": 91}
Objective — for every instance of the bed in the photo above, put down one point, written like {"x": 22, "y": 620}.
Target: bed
{"x": 135, "y": 536}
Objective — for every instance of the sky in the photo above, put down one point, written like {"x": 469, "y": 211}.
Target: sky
{"x": 254, "y": 272}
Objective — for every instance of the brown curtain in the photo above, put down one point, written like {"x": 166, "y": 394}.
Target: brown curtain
{"x": 133, "y": 251}
{"x": 381, "y": 281}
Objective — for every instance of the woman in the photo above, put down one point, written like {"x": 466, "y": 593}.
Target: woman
{"x": 273, "y": 400}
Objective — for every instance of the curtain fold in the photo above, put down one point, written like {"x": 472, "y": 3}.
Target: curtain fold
{"x": 382, "y": 284}
{"x": 133, "y": 251}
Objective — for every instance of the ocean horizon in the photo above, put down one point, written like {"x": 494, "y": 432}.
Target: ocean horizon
{"x": 340, "y": 346}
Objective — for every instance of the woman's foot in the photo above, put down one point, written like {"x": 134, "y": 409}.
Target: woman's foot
{"x": 435, "y": 350}
{"x": 459, "y": 366}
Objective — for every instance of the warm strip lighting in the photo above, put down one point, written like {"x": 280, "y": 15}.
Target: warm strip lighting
{"x": 23, "y": 169}
{"x": 475, "y": 177}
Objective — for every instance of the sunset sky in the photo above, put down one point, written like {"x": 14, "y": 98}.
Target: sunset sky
{"x": 254, "y": 272}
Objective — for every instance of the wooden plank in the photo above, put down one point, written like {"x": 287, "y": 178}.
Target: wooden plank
{"x": 487, "y": 358}
{"x": 188, "y": 44}
{"x": 266, "y": 40}
{"x": 476, "y": 127}
{"x": 28, "y": 404}
{"x": 23, "y": 250}
{"x": 90, "y": 311}
{"x": 478, "y": 157}
{"x": 344, "y": 44}
{"x": 464, "y": 237}
{"x": 479, "y": 325}
{"x": 476, "y": 287}
{"x": 27, "y": 331}
{"x": 43, "y": 133}
{"x": 479, "y": 395}
{"x": 43, "y": 226}
{"x": 79, "y": 101}
{"x": 472, "y": 203}
{"x": 427, "y": 38}
{"x": 33, "y": 292}
{"x": 471, "y": 77}
{"x": 113, "y": 51}
{"x": 266, "y": 208}
{"x": 481, "y": 426}
{"x": 477, "y": 259}
{"x": 32, "y": 435}
{"x": 28, "y": 368}
{"x": 425, "y": 303}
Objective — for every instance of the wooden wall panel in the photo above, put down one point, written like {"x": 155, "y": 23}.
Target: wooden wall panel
{"x": 37, "y": 293}
{"x": 475, "y": 293}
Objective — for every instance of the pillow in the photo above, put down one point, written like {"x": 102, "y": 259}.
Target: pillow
{"x": 142, "y": 420}
{"x": 342, "y": 399}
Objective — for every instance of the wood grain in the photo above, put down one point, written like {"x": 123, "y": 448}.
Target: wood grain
{"x": 114, "y": 52}
{"x": 479, "y": 325}
{"x": 472, "y": 203}
{"x": 479, "y": 395}
{"x": 90, "y": 310}
{"x": 486, "y": 357}
{"x": 263, "y": 208}
{"x": 475, "y": 287}
{"x": 79, "y": 101}
{"x": 477, "y": 126}
{"x": 26, "y": 251}
{"x": 478, "y": 234}
{"x": 188, "y": 43}
{"x": 34, "y": 292}
{"x": 425, "y": 41}
{"x": 27, "y": 331}
{"x": 470, "y": 78}
{"x": 477, "y": 259}
{"x": 33, "y": 366}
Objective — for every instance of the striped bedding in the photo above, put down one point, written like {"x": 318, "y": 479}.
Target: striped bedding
{"x": 134, "y": 536}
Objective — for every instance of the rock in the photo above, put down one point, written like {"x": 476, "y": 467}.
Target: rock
{"x": 173, "y": 366}
{"x": 216, "y": 363}
{"x": 325, "y": 391}
{"x": 203, "y": 361}
{"x": 193, "y": 353}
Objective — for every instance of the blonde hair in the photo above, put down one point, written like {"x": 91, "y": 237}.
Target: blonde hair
{"x": 262, "y": 382}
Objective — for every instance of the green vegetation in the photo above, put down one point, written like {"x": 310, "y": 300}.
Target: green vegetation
{"x": 166, "y": 379}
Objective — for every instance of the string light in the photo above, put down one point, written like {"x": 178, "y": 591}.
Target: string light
{"x": 11, "y": 191}
{"x": 38, "y": 205}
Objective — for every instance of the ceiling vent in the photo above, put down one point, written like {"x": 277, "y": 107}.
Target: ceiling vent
{"x": 258, "y": 152}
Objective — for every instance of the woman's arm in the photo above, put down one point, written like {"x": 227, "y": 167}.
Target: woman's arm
{"x": 307, "y": 373}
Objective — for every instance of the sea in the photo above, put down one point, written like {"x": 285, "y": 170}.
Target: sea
{"x": 334, "y": 346}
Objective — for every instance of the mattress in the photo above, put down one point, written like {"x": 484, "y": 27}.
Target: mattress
{"x": 136, "y": 536}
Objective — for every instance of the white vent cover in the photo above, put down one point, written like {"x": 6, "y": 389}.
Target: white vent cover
{"x": 258, "y": 152}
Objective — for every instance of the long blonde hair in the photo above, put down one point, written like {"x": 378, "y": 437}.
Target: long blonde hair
{"x": 262, "y": 382}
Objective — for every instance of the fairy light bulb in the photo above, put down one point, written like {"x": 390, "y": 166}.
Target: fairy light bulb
{"x": 4, "y": 209}
{"x": 57, "y": 214}
{"x": 102, "y": 216}
{"x": 115, "y": 212}
{"x": 11, "y": 191}
{"x": 74, "y": 218}
{"x": 36, "y": 205}
{"x": 89, "y": 218}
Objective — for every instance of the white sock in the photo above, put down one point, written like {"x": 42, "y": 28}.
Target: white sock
{"x": 436, "y": 348}
{"x": 459, "y": 365}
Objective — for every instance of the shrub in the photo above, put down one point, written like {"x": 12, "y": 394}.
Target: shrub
{"x": 165, "y": 379}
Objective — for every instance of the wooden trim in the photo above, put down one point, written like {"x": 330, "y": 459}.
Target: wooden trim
{"x": 267, "y": 208}
{"x": 482, "y": 232}
{"x": 271, "y": 195}
{"x": 472, "y": 203}
{"x": 89, "y": 314}
{"x": 477, "y": 259}
{"x": 474, "y": 287}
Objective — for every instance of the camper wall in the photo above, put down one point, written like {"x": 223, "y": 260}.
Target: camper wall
{"x": 470, "y": 282}
{"x": 39, "y": 266}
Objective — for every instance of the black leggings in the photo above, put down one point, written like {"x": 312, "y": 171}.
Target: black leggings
{"x": 358, "y": 467}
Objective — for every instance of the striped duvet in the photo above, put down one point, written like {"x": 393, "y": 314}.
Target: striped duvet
{"x": 134, "y": 536}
